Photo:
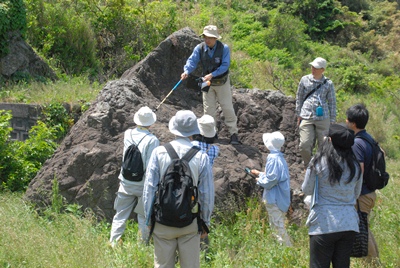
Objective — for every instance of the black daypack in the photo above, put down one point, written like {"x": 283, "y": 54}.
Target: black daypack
{"x": 177, "y": 195}
{"x": 132, "y": 165}
{"x": 376, "y": 177}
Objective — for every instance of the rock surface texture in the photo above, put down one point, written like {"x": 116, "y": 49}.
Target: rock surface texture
{"x": 88, "y": 161}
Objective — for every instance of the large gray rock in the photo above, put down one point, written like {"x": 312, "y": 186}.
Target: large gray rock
{"x": 88, "y": 161}
{"x": 23, "y": 60}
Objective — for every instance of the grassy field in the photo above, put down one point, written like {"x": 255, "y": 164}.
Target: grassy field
{"x": 241, "y": 240}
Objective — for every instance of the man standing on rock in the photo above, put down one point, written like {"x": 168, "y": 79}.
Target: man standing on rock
{"x": 215, "y": 61}
{"x": 315, "y": 108}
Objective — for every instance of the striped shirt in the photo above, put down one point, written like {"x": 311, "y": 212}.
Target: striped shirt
{"x": 324, "y": 96}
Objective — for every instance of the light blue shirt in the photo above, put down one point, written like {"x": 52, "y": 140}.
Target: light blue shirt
{"x": 194, "y": 59}
{"x": 334, "y": 210}
{"x": 276, "y": 181}
{"x": 201, "y": 173}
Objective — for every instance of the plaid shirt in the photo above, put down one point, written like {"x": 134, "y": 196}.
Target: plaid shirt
{"x": 211, "y": 150}
{"x": 324, "y": 96}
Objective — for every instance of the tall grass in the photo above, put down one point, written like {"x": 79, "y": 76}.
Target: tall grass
{"x": 66, "y": 89}
{"x": 243, "y": 239}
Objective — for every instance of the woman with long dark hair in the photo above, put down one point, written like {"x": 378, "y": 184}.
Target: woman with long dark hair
{"x": 334, "y": 178}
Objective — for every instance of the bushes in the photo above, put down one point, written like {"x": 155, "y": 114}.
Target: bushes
{"x": 21, "y": 160}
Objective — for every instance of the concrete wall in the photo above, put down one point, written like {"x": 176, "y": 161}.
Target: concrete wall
{"x": 24, "y": 117}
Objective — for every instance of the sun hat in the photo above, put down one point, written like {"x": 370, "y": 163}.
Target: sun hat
{"x": 319, "y": 63}
{"x": 274, "y": 140}
{"x": 211, "y": 31}
{"x": 144, "y": 117}
{"x": 341, "y": 136}
{"x": 184, "y": 124}
{"x": 206, "y": 124}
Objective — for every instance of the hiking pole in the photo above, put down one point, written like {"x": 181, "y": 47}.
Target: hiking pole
{"x": 177, "y": 84}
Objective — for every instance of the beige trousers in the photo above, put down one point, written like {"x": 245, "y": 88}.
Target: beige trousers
{"x": 168, "y": 240}
{"x": 310, "y": 131}
{"x": 367, "y": 203}
{"x": 223, "y": 95}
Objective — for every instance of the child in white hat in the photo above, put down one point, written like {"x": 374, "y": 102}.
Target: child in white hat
{"x": 206, "y": 137}
{"x": 276, "y": 183}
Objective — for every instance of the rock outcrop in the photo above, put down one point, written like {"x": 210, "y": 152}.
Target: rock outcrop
{"x": 87, "y": 163}
{"x": 22, "y": 61}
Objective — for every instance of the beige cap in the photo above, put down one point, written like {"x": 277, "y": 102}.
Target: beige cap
{"x": 211, "y": 31}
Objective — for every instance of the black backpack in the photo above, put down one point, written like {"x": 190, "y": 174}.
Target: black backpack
{"x": 177, "y": 195}
{"x": 132, "y": 165}
{"x": 376, "y": 177}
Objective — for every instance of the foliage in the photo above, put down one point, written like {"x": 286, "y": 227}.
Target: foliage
{"x": 241, "y": 239}
{"x": 57, "y": 117}
{"x": 21, "y": 160}
{"x": 12, "y": 18}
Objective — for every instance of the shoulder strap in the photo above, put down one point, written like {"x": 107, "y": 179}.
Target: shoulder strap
{"x": 142, "y": 138}
{"x": 192, "y": 152}
{"x": 171, "y": 151}
{"x": 371, "y": 142}
{"x": 315, "y": 89}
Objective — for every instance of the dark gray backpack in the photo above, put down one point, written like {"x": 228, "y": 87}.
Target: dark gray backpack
{"x": 177, "y": 194}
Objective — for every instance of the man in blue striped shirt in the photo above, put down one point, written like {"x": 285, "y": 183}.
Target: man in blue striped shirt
{"x": 315, "y": 108}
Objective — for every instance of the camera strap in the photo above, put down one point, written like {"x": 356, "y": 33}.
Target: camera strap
{"x": 315, "y": 89}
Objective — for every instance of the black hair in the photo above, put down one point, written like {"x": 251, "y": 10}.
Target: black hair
{"x": 358, "y": 114}
{"x": 335, "y": 156}
{"x": 199, "y": 137}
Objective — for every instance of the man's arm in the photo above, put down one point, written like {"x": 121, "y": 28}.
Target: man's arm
{"x": 192, "y": 62}
{"x": 332, "y": 103}
{"x": 206, "y": 189}
{"x": 150, "y": 186}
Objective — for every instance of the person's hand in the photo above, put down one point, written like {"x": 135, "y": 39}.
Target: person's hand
{"x": 203, "y": 235}
{"x": 184, "y": 76}
{"x": 299, "y": 120}
{"x": 208, "y": 77}
{"x": 255, "y": 172}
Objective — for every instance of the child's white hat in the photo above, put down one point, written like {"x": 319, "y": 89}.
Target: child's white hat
{"x": 274, "y": 140}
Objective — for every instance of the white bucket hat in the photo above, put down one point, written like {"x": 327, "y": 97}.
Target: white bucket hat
{"x": 206, "y": 125}
{"x": 319, "y": 63}
{"x": 144, "y": 117}
{"x": 274, "y": 140}
{"x": 184, "y": 124}
{"x": 211, "y": 31}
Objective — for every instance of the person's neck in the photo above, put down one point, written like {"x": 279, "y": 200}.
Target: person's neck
{"x": 318, "y": 77}
{"x": 357, "y": 130}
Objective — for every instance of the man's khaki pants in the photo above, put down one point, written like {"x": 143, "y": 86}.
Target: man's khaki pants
{"x": 367, "y": 203}
{"x": 168, "y": 240}
{"x": 223, "y": 95}
{"x": 311, "y": 130}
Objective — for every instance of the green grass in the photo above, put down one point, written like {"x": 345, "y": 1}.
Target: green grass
{"x": 240, "y": 240}
{"x": 67, "y": 89}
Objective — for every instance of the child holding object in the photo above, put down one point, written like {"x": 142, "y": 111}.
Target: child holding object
{"x": 276, "y": 183}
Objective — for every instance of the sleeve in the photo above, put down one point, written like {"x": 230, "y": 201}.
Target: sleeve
{"x": 272, "y": 174}
{"x": 309, "y": 182}
{"x": 150, "y": 185}
{"x": 206, "y": 189}
{"x": 152, "y": 144}
{"x": 331, "y": 97}
{"x": 299, "y": 97}
{"x": 226, "y": 62}
{"x": 358, "y": 188}
{"x": 193, "y": 60}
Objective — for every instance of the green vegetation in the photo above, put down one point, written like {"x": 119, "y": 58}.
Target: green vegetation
{"x": 75, "y": 239}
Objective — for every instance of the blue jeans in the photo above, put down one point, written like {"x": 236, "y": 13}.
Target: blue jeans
{"x": 332, "y": 247}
